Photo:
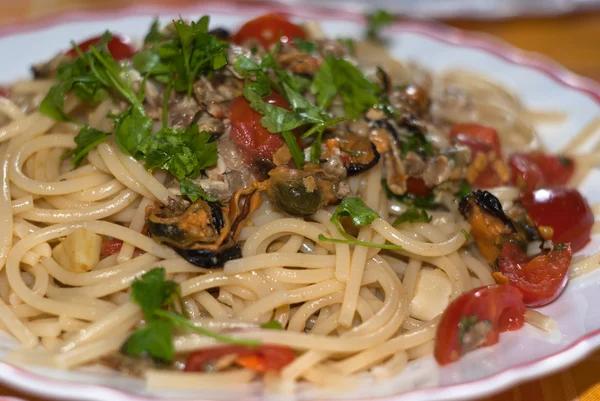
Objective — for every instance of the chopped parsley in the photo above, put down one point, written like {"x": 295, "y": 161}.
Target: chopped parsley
{"x": 464, "y": 190}
{"x": 272, "y": 325}
{"x": 377, "y": 21}
{"x": 194, "y": 192}
{"x": 360, "y": 215}
{"x": 306, "y": 46}
{"x": 425, "y": 202}
{"x": 466, "y": 234}
{"x": 158, "y": 298}
{"x": 412, "y": 215}
{"x": 337, "y": 76}
{"x": 87, "y": 139}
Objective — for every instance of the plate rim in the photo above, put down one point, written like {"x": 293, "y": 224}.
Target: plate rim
{"x": 25, "y": 380}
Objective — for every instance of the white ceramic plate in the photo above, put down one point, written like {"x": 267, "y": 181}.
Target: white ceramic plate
{"x": 542, "y": 84}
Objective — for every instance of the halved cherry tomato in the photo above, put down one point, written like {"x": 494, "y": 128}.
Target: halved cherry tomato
{"x": 111, "y": 246}
{"x": 118, "y": 47}
{"x": 476, "y": 319}
{"x": 536, "y": 170}
{"x": 268, "y": 29}
{"x": 416, "y": 186}
{"x": 483, "y": 141}
{"x": 477, "y": 137}
{"x": 260, "y": 359}
{"x": 247, "y": 132}
{"x": 541, "y": 279}
{"x": 563, "y": 209}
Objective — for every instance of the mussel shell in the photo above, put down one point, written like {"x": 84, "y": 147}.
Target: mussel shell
{"x": 208, "y": 258}
{"x": 356, "y": 168}
{"x": 294, "y": 198}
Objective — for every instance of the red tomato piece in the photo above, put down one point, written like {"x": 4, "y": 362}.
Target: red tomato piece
{"x": 416, "y": 186}
{"x": 261, "y": 359}
{"x": 536, "y": 169}
{"x": 111, "y": 246}
{"x": 526, "y": 174}
{"x": 488, "y": 178}
{"x": 118, "y": 47}
{"x": 247, "y": 132}
{"x": 477, "y": 137}
{"x": 476, "y": 319}
{"x": 267, "y": 29}
{"x": 563, "y": 209}
{"x": 4, "y": 92}
{"x": 541, "y": 279}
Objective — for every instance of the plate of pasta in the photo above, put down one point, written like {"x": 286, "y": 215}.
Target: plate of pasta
{"x": 270, "y": 203}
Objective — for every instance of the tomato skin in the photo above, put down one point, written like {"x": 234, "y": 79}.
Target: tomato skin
{"x": 111, "y": 246}
{"x": 565, "y": 210}
{"x": 482, "y": 140}
{"x": 416, "y": 186}
{"x": 477, "y": 137}
{"x": 118, "y": 47}
{"x": 541, "y": 279}
{"x": 501, "y": 305}
{"x": 247, "y": 132}
{"x": 260, "y": 359}
{"x": 537, "y": 169}
{"x": 267, "y": 29}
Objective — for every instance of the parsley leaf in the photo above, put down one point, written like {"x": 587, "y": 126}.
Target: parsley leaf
{"x": 194, "y": 192}
{"x": 192, "y": 52}
{"x": 425, "y": 201}
{"x": 155, "y": 339}
{"x": 355, "y": 209}
{"x": 151, "y": 291}
{"x": 87, "y": 139}
{"x": 412, "y": 215}
{"x": 183, "y": 152}
{"x": 306, "y": 46}
{"x": 464, "y": 190}
{"x": 360, "y": 215}
{"x": 376, "y": 21}
{"x": 272, "y": 325}
{"x": 53, "y": 104}
{"x": 132, "y": 128}
{"x": 337, "y": 76}
{"x": 154, "y": 34}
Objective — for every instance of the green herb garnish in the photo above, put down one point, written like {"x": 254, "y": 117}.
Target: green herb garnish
{"x": 272, "y": 325}
{"x": 306, "y": 46}
{"x": 156, "y": 296}
{"x": 194, "y": 192}
{"x": 360, "y": 215}
{"x": 87, "y": 139}
{"x": 412, "y": 215}
{"x": 426, "y": 201}
{"x": 466, "y": 234}
{"x": 377, "y": 21}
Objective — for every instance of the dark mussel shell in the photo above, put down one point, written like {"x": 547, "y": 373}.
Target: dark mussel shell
{"x": 203, "y": 233}
{"x": 486, "y": 201}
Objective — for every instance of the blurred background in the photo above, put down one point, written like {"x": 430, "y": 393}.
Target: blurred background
{"x": 567, "y": 31}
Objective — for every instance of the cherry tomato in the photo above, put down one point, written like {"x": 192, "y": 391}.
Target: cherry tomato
{"x": 482, "y": 140}
{"x": 536, "y": 169}
{"x": 416, "y": 186}
{"x": 118, "y": 47}
{"x": 260, "y": 359}
{"x": 111, "y": 246}
{"x": 267, "y": 29}
{"x": 563, "y": 209}
{"x": 526, "y": 174}
{"x": 477, "y": 137}
{"x": 476, "y": 319}
{"x": 541, "y": 279}
{"x": 247, "y": 132}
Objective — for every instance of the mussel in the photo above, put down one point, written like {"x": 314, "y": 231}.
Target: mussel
{"x": 203, "y": 233}
{"x": 356, "y": 154}
{"x": 304, "y": 192}
{"x": 491, "y": 227}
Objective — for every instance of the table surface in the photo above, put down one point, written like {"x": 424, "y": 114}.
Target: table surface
{"x": 572, "y": 40}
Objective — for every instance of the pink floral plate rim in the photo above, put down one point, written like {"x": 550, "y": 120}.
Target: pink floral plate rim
{"x": 34, "y": 383}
